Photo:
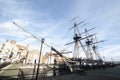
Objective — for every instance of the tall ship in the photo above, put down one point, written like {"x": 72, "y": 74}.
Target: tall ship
{"x": 82, "y": 44}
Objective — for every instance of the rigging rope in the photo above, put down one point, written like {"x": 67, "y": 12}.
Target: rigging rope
{"x": 31, "y": 34}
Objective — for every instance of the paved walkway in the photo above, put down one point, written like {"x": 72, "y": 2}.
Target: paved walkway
{"x": 9, "y": 71}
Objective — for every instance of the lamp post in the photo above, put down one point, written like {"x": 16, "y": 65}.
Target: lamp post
{"x": 42, "y": 41}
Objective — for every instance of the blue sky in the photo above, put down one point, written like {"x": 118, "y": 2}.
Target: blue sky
{"x": 51, "y": 19}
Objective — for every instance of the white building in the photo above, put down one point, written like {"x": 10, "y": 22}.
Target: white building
{"x": 32, "y": 56}
{"x": 12, "y": 51}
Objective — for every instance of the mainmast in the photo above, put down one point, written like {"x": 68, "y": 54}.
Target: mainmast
{"x": 88, "y": 43}
{"x": 91, "y": 47}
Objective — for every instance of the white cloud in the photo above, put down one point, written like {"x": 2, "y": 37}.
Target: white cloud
{"x": 7, "y": 26}
{"x": 111, "y": 51}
